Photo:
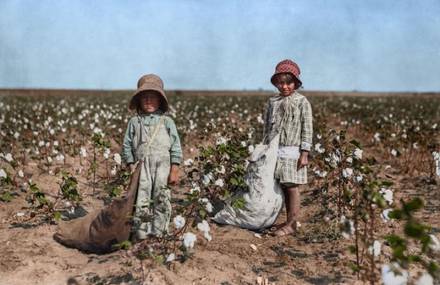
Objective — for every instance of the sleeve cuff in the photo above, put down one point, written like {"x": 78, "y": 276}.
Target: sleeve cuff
{"x": 176, "y": 160}
{"x": 128, "y": 159}
{"x": 306, "y": 146}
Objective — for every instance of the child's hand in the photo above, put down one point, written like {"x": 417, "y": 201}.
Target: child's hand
{"x": 303, "y": 159}
{"x": 173, "y": 178}
{"x": 132, "y": 167}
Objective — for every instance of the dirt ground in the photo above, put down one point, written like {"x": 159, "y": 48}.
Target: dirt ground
{"x": 29, "y": 255}
{"x": 234, "y": 256}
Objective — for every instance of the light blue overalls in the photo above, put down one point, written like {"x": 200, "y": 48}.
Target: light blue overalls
{"x": 153, "y": 205}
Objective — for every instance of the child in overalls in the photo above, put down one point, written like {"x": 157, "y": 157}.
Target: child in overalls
{"x": 151, "y": 139}
{"x": 290, "y": 115}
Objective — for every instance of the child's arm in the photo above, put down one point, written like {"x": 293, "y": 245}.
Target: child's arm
{"x": 173, "y": 178}
{"x": 175, "y": 152}
{"x": 306, "y": 133}
{"x": 127, "y": 145}
{"x": 266, "y": 121}
{"x": 306, "y": 126}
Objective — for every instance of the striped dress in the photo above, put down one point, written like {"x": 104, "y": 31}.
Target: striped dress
{"x": 292, "y": 118}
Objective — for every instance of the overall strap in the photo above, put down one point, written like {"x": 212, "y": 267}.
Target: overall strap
{"x": 155, "y": 131}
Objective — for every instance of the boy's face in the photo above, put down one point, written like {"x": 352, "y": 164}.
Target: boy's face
{"x": 286, "y": 88}
{"x": 149, "y": 101}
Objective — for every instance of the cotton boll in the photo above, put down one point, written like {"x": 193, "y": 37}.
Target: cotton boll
{"x": 179, "y": 222}
{"x": 318, "y": 148}
{"x": 188, "y": 162}
{"x": 113, "y": 171}
{"x": 189, "y": 239}
{"x": 208, "y": 205}
{"x": 8, "y": 157}
{"x": 347, "y": 172}
{"x": 357, "y": 153}
{"x": 221, "y": 170}
{"x": 425, "y": 279}
{"x": 83, "y": 152}
{"x": 375, "y": 249}
{"x": 204, "y": 227}
{"x": 3, "y": 173}
{"x": 206, "y": 179}
{"x": 221, "y": 140}
{"x": 347, "y": 227}
{"x": 106, "y": 153}
{"x": 384, "y": 215}
{"x": 390, "y": 278}
{"x": 117, "y": 158}
{"x": 219, "y": 182}
{"x": 434, "y": 245}
{"x": 171, "y": 257}
{"x": 194, "y": 189}
{"x": 387, "y": 195}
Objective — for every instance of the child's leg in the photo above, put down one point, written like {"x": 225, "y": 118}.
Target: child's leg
{"x": 292, "y": 202}
{"x": 161, "y": 196}
{"x": 161, "y": 210}
{"x": 292, "y": 205}
{"x": 142, "y": 224}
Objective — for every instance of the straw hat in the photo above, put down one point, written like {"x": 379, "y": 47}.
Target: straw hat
{"x": 149, "y": 82}
{"x": 287, "y": 66}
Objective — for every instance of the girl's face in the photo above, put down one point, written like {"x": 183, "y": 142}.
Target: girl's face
{"x": 286, "y": 88}
{"x": 149, "y": 101}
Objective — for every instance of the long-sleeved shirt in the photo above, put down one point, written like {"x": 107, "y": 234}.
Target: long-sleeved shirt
{"x": 151, "y": 119}
{"x": 292, "y": 118}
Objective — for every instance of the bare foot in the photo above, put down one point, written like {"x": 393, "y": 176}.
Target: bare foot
{"x": 284, "y": 231}
{"x": 277, "y": 227}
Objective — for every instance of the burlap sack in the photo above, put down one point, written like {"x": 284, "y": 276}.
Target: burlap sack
{"x": 100, "y": 231}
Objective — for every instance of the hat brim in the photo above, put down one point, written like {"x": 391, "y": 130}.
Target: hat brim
{"x": 163, "y": 98}
{"x": 298, "y": 83}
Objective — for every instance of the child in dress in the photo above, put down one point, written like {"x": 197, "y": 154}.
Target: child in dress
{"x": 151, "y": 139}
{"x": 290, "y": 115}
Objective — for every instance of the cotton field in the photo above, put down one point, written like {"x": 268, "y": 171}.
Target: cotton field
{"x": 373, "y": 201}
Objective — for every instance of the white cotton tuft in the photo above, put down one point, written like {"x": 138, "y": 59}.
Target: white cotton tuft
{"x": 117, "y": 158}
{"x": 189, "y": 239}
{"x": 179, "y": 222}
{"x": 434, "y": 245}
{"x": 387, "y": 195}
{"x": 391, "y": 278}
{"x": 375, "y": 249}
{"x": 425, "y": 279}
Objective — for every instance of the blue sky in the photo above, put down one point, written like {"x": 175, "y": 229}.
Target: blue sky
{"x": 369, "y": 45}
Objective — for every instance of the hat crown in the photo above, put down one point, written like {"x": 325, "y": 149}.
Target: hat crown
{"x": 287, "y": 66}
{"x": 150, "y": 80}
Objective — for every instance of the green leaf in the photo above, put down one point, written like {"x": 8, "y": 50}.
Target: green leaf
{"x": 6, "y": 197}
{"x": 413, "y": 205}
{"x": 356, "y": 143}
{"x": 238, "y": 203}
{"x": 386, "y": 183}
{"x": 396, "y": 214}
{"x": 414, "y": 229}
{"x": 352, "y": 249}
{"x": 126, "y": 244}
{"x": 57, "y": 216}
{"x": 433, "y": 269}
